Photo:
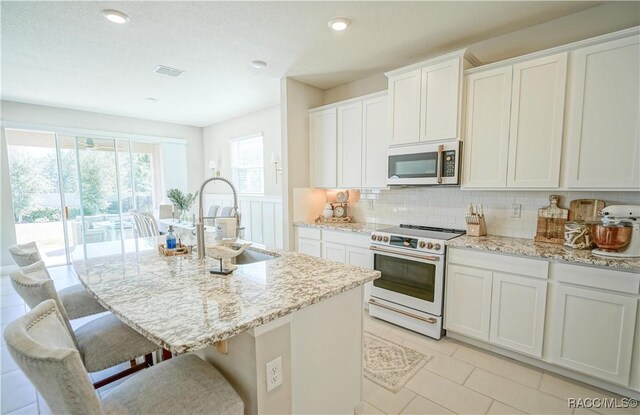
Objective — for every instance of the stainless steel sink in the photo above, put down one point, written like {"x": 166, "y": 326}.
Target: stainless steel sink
{"x": 250, "y": 257}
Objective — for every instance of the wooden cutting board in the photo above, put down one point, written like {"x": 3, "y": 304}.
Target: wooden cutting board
{"x": 585, "y": 210}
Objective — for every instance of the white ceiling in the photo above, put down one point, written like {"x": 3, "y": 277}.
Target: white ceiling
{"x": 65, "y": 54}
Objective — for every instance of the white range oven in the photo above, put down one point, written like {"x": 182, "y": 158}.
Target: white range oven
{"x": 410, "y": 291}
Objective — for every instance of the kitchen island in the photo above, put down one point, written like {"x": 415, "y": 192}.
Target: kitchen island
{"x": 305, "y": 310}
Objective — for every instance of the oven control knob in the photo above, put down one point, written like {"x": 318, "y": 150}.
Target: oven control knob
{"x": 373, "y": 237}
{"x": 385, "y": 239}
{"x": 436, "y": 247}
{"x": 422, "y": 244}
{"x": 379, "y": 237}
{"x": 429, "y": 245}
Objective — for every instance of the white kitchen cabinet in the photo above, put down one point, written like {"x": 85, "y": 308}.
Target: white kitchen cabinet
{"x": 537, "y": 117}
{"x": 350, "y": 158}
{"x": 439, "y": 100}
{"x": 404, "y": 107}
{"x": 602, "y": 133}
{"x": 468, "y": 302}
{"x": 359, "y": 257}
{"x": 425, "y": 100}
{"x": 323, "y": 136}
{"x": 374, "y": 142}
{"x": 514, "y": 125}
{"x": 517, "y": 313}
{"x": 309, "y": 247}
{"x": 334, "y": 252}
{"x": 486, "y": 141}
{"x": 359, "y": 157}
{"x": 592, "y": 332}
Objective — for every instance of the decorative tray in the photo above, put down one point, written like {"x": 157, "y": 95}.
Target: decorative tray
{"x": 322, "y": 219}
{"x": 180, "y": 250}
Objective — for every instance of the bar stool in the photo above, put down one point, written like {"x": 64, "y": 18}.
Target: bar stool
{"x": 46, "y": 353}
{"x": 103, "y": 342}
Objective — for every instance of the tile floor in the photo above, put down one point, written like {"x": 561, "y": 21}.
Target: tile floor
{"x": 458, "y": 379}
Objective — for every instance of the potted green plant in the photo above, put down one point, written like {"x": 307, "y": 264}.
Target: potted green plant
{"x": 182, "y": 202}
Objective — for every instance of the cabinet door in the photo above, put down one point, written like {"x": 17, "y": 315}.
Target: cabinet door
{"x": 404, "y": 107}
{"x": 486, "y": 140}
{"x": 309, "y": 247}
{"x": 323, "y": 148}
{"x": 537, "y": 115}
{"x": 603, "y": 116}
{"x": 374, "y": 142}
{"x": 468, "y": 301}
{"x": 334, "y": 252}
{"x": 350, "y": 145}
{"x": 593, "y": 332}
{"x": 517, "y": 313}
{"x": 360, "y": 257}
{"x": 439, "y": 99}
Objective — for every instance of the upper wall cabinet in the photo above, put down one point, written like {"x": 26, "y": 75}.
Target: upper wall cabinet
{"x": 425, "y": 100}
{"x": 322, "y": 125}
{"x": 603, "y": 142}
{"x": 349, "y": 143}
{"x": 514, "y": 122}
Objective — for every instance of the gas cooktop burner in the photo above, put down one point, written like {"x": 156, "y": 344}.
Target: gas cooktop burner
{"x": 430, "y": 232}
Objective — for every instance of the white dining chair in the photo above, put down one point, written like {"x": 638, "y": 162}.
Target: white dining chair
{"x": 145, "y": 224}
{"x": 103, "y": 342}
{"x": 45, "y": 351}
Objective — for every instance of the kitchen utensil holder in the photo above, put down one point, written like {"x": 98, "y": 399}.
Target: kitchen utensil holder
{"x": 477, "y": 229}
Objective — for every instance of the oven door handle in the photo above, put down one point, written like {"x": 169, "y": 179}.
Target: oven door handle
{"x": 439, "y": 164}
{"x": 429, "y": 320}
{"x": 407, "y": 254}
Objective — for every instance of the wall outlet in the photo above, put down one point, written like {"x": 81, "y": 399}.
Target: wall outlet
{"x": 274, "y": 373}
{"x": 515, "y": 210}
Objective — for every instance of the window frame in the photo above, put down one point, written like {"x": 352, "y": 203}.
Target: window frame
{"x": 232, "y": 162}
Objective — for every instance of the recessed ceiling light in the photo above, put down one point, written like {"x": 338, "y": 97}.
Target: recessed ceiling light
{"x": 339, "y": 23}
{"x": 152, "y": 99}
{"x": 115, "y": 16}
{"x": 259, "y": 64}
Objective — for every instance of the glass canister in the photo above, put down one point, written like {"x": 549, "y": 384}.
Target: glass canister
{"x": 577, "y": 235}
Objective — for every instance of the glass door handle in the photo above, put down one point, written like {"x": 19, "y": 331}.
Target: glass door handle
{"x": 66, "y": 212}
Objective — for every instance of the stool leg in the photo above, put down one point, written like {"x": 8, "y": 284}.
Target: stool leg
{"x": 166, "y": 354}
{"x": 148, "y": 358}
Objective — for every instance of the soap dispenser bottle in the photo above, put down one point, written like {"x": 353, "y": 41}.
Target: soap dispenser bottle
{"x": 171, "y": 238}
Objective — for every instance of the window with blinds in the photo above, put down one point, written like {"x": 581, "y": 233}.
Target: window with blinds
{"x": 247, "y": 164}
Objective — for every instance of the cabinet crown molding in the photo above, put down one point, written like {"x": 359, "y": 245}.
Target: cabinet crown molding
{"x": 350, "y": 101}
{"x": 633, "y": 31}
{"x": 462, "y": 53}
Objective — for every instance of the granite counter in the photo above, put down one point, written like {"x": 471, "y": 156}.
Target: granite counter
{"x": 527, "y": 247}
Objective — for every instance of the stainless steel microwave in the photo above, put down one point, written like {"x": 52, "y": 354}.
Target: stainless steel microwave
{"x": 425, "y": 164}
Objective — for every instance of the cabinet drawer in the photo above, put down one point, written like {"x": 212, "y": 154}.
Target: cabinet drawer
{"x": 625, "y": 282}
{"x": 346, "y": 238}
{"x": 309, "y": 233}
{"x": 496, "y": 262}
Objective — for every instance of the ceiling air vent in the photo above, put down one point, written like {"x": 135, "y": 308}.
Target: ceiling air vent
{"x": 165, "y": 70}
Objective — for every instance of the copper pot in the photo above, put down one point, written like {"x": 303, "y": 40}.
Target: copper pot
{"x": 611, "y": 237}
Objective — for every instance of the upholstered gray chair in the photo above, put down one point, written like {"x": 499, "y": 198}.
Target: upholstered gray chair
{"x": 103, "y": 342}
{"x": 76, "y": 299}
{"x": 25, "y": 254}
{"x": 46, "y": 353}
{"x": 166, "y": 211}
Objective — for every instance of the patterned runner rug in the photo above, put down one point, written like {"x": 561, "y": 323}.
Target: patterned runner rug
{"x": 389, "y": 364}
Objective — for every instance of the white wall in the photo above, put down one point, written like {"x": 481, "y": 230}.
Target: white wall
{"x": 43, "y": 116}
{"x": 216, "y": 145}
{"x": 296, "y": 98}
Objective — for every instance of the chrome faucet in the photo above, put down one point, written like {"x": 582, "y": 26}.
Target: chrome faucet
{"x": 200, "y": 225}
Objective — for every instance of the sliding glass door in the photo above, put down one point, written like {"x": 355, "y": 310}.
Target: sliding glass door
{"x": 72, "y": 195}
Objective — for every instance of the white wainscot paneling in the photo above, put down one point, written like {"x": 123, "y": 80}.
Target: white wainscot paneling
{"x": 261, "y": 217}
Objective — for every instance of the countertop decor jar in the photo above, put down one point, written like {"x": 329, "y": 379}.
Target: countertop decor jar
{"x": 577, "y": 235}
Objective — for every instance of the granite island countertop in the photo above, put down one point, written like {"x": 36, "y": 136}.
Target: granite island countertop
{"x": 176, "y": 303}
{"x": 356, "y": 227}
{"x": 554, "y": 252}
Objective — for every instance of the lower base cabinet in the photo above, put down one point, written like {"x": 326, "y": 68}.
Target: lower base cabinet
{"x": 343, "y": 247}
{"x": 592, "y": 332}
{"x": 497, "y": 299}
